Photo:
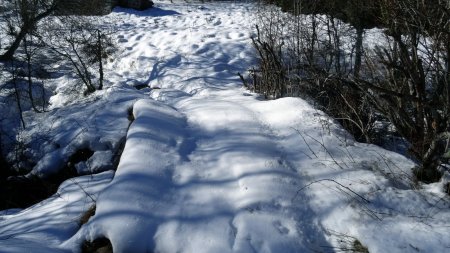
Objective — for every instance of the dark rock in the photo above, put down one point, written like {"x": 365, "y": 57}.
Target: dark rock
{"x": 99, "y": 245}
{"x": 136, "y": 4}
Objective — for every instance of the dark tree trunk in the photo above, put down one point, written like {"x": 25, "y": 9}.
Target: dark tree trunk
{"x": 25, "y": 28}
{"x": 28, "y": 57}
{"x": 100, "y": 60}
{"x": 358, "y": 51}
{"x": 17, "y": 95}
{"x": 9, "y": 54}
{"x": 4, "y": 168}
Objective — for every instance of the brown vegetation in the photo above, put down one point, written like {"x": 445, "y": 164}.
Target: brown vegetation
{"x": 404, "y": 82}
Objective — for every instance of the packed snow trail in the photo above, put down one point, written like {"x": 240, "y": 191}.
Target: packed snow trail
{"x": 210, "y": 167}
{"x": 228, "y": 191}
{"x": 203, "y": 174}
{"x": 214, "y": 169}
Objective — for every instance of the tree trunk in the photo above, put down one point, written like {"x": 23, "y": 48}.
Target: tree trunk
{"x": 358, "y": 51}
{"x": 26, "y": 27}
{"x": 100, "y": 60}
{"x": 9, "y": 54}
{"x": 17, "y": 95}
{"x": 28, "y": 56}
{"x": 4, "y": 168}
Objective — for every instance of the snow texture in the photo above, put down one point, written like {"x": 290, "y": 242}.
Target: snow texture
{"x": 44, "y": 226}
{"x": 211, "y": 167}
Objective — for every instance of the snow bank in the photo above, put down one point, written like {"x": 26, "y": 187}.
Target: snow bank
{"x": 127, "y": 210}
{"x": 97, "y": 123}
{"x": 228, "y": 194}
{"x": 44, "y": 226}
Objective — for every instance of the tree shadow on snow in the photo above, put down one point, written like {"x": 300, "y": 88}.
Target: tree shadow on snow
{"x": 158, "y": 209}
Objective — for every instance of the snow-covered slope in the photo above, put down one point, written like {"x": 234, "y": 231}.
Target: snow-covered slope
{"x": 210, "y": 167}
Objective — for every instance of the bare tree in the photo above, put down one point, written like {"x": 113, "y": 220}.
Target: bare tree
{"x": 23, "y": 19}
{"x": 99, "y": 48}
{"x": 83, "y": 44}
{"x": 305, "y": 54}
{"x": 413, "y": 90}
{"x": 14, "y": 70}
{"x": 405, "y": 81}
{"x": 31, "y": 57}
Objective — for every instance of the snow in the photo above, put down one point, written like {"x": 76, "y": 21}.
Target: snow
{"x": 209, "y": 166}
{"x": 44, "y": 226}
{"x": 95, "y": 123}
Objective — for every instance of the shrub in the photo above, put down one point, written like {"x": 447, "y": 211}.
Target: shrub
{"x": 405, "y": 81}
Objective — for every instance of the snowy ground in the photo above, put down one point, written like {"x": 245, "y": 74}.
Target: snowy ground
{"x": 209, "y": 166}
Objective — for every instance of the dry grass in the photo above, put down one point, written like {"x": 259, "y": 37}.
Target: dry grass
{"x": 358, "y": 247}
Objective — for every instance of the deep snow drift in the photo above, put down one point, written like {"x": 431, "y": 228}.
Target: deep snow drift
{"x": 210, "y": 167}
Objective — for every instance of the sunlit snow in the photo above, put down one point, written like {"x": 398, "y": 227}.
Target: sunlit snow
{"x": 209, "y": 166}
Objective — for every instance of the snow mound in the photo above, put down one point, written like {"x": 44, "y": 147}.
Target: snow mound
{"x": 44, "y": 226}
{"x": 230, "y": 195}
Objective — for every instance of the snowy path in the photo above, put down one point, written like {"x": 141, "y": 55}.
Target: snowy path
{"x": 223, "y": 167}
{"x": 211, "y": 167}
{"x": 204, "y": 174}
{"x": 217, "y": 188}
{"x": 208, "y": 172}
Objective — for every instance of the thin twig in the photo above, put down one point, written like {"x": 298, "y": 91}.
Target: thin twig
{"x": 307, "y": 144}
{"x": 334, "y": 181}
{"x": 326, "y": 150}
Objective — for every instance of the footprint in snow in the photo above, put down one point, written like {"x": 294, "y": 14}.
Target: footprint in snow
{"x": 202, "y": 50}
{"x": 234, "y": 35}
{"x": 282, "y": 229}
{"x": 121, "y": 39}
